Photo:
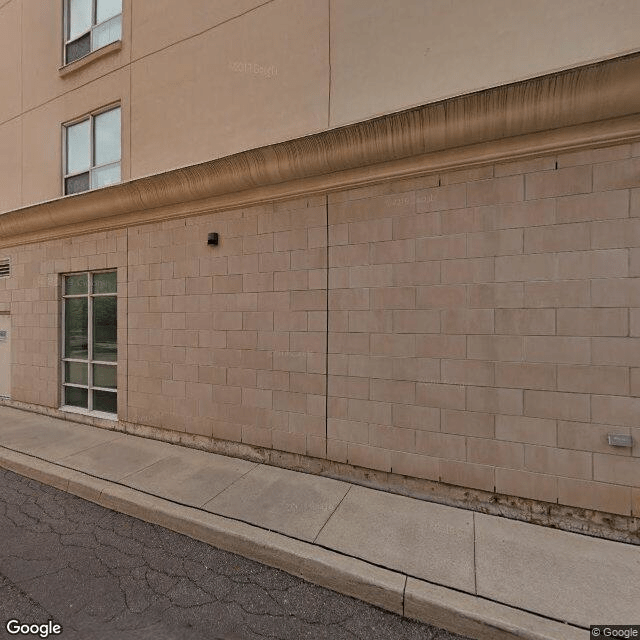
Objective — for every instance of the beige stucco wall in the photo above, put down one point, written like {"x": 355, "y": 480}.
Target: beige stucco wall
{"x": 215, "y": 78}
{"x": 42, "y": 142}
{"x": 202, "y": 98}
{"x": 387, "y": 56}
{"x": 42, "y": 56}
{"x": 10, "y": 164}
{"x": 10, "y": 67}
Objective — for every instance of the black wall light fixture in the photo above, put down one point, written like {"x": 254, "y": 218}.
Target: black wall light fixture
{"x": 212, "y": 238}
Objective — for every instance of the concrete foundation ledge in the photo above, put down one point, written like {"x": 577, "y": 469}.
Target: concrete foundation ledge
{"x": 598, "y": 524}
{"x": 394, "y": 591}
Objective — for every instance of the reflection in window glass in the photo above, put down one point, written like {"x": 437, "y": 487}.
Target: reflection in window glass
{"x": 77, "y": 184}
{"x": 105, "y": 375}
{"x": 104, "y": 176}
{"x": 93, "y": 151}
{"x": 107, "y": 137}
{"x": 76, "y": 397}
{"x": 106, "y": 9}
{"x": 79, "y": 48}
{"x": 107, "y": 32}
{"x": 105, "y": 401}
{"x": 76, "y": 284}
{"x": 91, "y": 24}
{"x": 90, "y": 311}
{"x": 78, "y": 147}
{"x": 76, "y": 337}
{"x": 105, "y": 282}
{"x": 76, "y": 373}
{"x": 79, "y": 19}
{"x": 105, "y": 329}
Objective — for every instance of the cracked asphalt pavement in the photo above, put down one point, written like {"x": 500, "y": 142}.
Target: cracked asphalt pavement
{"x": 104, "y": 575}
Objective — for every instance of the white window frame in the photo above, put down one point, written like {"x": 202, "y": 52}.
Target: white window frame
{"x": 89, "y": 411}
{"x": 66, "y": 22}
{"x": 90, "y": 117}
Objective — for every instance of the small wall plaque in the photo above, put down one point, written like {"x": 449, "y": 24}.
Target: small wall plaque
{"x": 3, "y": 336}
{"x": 620, "y": 440}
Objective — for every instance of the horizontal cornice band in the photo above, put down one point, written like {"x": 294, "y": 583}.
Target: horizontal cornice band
{"x": 584, "y": 107}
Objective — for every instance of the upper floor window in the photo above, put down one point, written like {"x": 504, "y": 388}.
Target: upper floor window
{"x": 92, "y": 152}
{"x": 90, "y": 25}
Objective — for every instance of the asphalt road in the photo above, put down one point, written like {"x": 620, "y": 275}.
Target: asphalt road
{"x": 103, "y": 575}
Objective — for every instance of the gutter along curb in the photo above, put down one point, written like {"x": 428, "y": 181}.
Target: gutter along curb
{"x": 393, "y": 591}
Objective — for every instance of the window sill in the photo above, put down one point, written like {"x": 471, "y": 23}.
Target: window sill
{"x": 80, "y": 63}
{"x": 92, "y": 414}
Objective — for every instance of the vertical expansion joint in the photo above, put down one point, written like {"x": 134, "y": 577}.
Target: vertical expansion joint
{"x": 326, "y": 346}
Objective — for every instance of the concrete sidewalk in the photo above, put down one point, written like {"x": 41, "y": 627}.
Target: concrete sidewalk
{"x": 477, "y": 575}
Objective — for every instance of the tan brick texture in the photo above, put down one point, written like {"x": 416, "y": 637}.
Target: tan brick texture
{"x": 504, "y": 305}
{"x": 478, "y": 327}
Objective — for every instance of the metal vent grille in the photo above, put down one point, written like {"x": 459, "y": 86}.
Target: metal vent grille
{"x": 5, "y": 268}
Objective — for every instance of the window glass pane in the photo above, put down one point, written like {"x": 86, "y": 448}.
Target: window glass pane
{"x": 75, "y": 328}
{"x": 107, "y": 9}
{"x": 105, "y": 282}
{"x": 74, "y": 285}
{"x": 76, "y": 397}
{"x": 105, "y": 346}
{"x": 107, "y": 32}
{"x": 105, "y": 375}
{"x": 79, "y": 48}
{"x": 105, "y": 176}
{"x": 76, "y": 184}
{"x": 79, "y": 18}
{"x": 78, "y": 147}
{"x": 107, "y": 137}
{"x": 105, "y": 401}
{"x": 76, "y": 372}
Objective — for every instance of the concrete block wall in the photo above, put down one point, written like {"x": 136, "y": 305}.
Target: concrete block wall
{"x": 229, "y": 341}
{"x": 477, "y": 327}
{"x": 484, "y": 328}
{"x": 33, "y": 296}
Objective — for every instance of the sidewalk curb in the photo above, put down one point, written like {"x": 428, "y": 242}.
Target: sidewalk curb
{"x": 479, "y": 618}
{"x": 390, "y": 590}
